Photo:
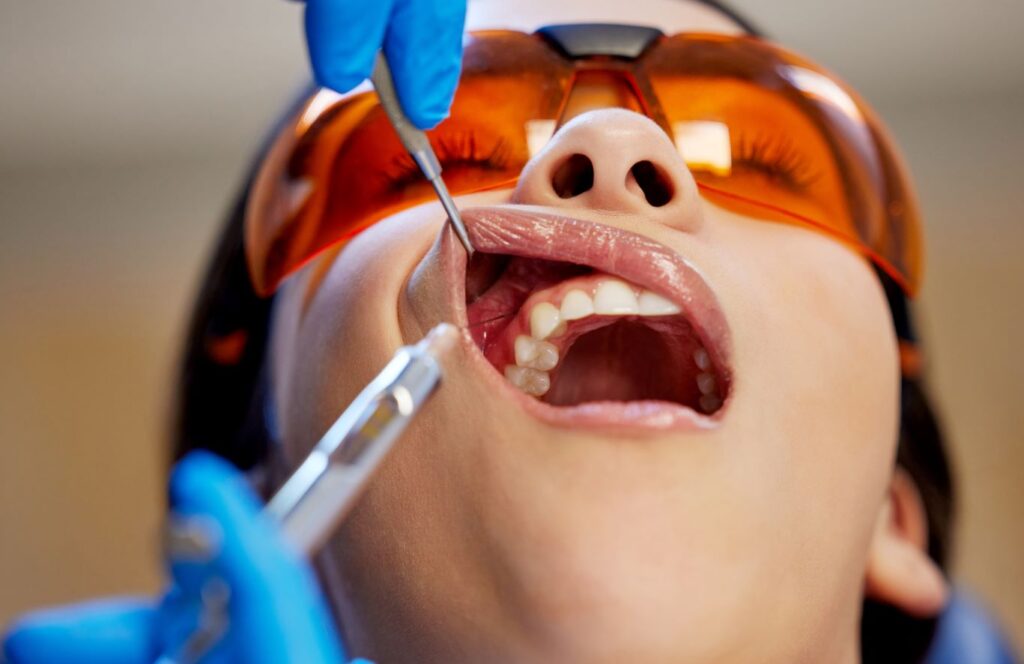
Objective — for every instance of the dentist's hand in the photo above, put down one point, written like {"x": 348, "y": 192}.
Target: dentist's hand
{"x": 276, "y": 612}
{"x": 422, "y": 40}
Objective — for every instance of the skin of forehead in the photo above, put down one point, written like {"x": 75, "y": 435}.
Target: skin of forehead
{"x": 670, "y": 16}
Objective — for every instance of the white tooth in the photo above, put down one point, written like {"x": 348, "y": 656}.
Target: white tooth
{"x": 546, "y": 358}
{"x": 709, "y": 403}
{"x": 526, "y": 349}
{"x": 576, "y": 304}
{"x": 652, "y": 304}
{"x": 544, "y": 318}
{"x": 701, "y": 359}
{"x": 516, "y": 375}
{"x": 537, "y": 382}
{"x": 615, "y": 297}
{"x": 531, "y": 381}
{"x": 535, "y": 354}
{"x": 706, "y": 383}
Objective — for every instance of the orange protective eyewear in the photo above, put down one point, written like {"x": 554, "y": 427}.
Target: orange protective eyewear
{"x": 765, "y": 133}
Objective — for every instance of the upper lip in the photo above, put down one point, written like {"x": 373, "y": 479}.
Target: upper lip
{"x": 636, "y": 258}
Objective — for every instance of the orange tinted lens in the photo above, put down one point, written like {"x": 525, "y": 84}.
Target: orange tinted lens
{"x": 347, "y": 168}
{"x": 770, "y": 135}
{"x": 594, "y": 89}
{"x": 766, "y": 134}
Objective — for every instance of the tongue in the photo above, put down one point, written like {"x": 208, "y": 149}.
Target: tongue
{"x": 624, "y": 361}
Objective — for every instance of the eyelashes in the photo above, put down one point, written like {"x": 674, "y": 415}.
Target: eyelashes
{"x": 776, "y": 158}
{"x": 771, "y": 156}
{"x": 457, "y": 150}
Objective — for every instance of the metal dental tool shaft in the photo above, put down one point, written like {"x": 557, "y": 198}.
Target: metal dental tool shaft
{"x": 416, "y": 142}
{"x": 319, "y": 494}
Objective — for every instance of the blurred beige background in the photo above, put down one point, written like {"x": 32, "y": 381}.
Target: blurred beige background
{"x": 126, "y": 126}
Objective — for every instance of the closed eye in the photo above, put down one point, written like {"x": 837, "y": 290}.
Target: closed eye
{"x": 775, "y": 158}
{"x": 461, "y": 150}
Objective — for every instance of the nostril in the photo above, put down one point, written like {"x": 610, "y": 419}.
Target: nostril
{"x": 655, "y": 184}
{"x": 573, "y": 177}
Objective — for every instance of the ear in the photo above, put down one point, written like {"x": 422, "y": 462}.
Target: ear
{"x": 899, "y": 570}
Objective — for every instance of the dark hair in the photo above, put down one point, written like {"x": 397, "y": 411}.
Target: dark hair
{"x": 220, "y": 406}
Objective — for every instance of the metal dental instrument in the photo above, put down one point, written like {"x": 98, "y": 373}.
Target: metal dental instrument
{"x": 416, "y": 142}
{"x": 319, "y": 494}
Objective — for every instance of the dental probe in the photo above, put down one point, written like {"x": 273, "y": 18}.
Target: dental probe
{"x": 315, "y": 499}
{"x": 416, "y": 142}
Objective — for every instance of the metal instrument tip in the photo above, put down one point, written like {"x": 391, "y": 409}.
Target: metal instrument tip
{"x": 453, "y": 215}
{"x": 418, "y": 146}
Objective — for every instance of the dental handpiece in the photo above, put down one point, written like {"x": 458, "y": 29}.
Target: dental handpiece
{"x": 418, "y": 146}
{"x": 315, "y": 499}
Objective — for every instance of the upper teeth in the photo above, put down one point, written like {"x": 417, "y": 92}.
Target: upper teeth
{"x": 706, "y": 383}
{"x": 701, "y": 359}
{"x": 544, "y": 319}
{"x": 652, "y": 304}
{"x": 530, "y": 381}
{"x": 612, "y": 297}
{"x": 708, "y": 402}
{"x": 575, "y": 305}
{"x": 535, "y": 354}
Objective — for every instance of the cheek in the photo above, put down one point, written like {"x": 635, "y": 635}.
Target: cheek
{"x": 339, "y": 320}
{"x": 336, "y": 323}
{"x": 817, "y": 382}
{"x": 835, "y": 364}
{"x": 812, "y": 320}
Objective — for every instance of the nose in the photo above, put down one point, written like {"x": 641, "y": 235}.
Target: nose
{"x": 616, "y": 161}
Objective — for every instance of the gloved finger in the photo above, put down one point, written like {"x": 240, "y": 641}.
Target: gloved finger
{"x": 111, "y": 631}
{"x": 423, "y": 45}
{"x": 177, "y": 618}
{"x": 208, "y": 490}
{"x": 273, "y": 594}
{"x": 343, "y": 37}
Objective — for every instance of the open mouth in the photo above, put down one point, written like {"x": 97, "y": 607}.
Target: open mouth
{"x": 590, "y": 319}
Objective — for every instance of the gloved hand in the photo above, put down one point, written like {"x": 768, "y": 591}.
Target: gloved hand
{"x": 275, "y": 609}
{"x": 422, "y": 40}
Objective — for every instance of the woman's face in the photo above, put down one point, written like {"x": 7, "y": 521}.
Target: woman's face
{"x": 501, "y": 528}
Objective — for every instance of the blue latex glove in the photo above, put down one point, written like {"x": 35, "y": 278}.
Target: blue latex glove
{"x": 422, "y": 40}
{"x": 276, "y": 611}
